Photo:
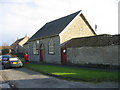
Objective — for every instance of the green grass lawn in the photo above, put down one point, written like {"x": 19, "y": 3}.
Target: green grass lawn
{"x": 76, "y": 74}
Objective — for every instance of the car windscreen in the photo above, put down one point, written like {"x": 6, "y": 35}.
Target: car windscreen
{"x": 7, "y": 56}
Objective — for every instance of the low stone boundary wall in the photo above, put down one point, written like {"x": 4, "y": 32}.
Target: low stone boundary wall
{"x": 107, "y": 55}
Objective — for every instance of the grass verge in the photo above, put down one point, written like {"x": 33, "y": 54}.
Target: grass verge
{"x": 75, "y": 74}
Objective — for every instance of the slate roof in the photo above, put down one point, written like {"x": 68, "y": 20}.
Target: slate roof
{"x": 93, "y": 41}
{"x": 54, "y": 27}
{"x": 17, "y": 41}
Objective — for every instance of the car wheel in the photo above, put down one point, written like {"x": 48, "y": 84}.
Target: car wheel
{"x": 20, "y": 66}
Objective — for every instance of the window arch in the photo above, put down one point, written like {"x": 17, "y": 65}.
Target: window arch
{"x": 51, "y": 47}
{"x": 35, "y": 49}
{"x": 42, "y": 46}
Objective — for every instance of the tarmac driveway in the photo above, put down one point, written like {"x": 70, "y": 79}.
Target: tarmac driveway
{"x": 25, "y": 78}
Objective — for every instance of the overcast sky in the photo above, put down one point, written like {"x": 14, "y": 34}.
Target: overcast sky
{"x": 21, "y": 17}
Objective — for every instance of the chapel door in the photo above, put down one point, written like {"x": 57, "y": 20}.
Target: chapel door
{"x": 63, "y": 56}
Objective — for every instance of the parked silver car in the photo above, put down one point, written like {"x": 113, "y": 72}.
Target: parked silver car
{"x": 12, "y": 62}
{"x": 4, "y": 58}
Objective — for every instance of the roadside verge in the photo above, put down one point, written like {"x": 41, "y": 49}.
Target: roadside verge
{"x": 75, "y": 74}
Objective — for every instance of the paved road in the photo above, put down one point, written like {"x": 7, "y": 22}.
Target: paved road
{"x": 25, "y": 78}
{"x": 3, "y": 83}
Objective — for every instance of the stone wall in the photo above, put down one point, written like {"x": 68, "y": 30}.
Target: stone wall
{"x": 93, "y": 55}
{"x": 20, "y": 49}
{"x": 77, "y": 28}
{"x": 55, "y": 58}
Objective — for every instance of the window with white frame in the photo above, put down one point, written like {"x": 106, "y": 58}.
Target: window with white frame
{"x": 34, "y": 48}
{"x": 37, "y": 47}
{"x": 51, "y": 47}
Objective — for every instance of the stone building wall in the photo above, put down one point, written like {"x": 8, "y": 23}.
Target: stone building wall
{"x": 48, "y": 58}
{"x": 77, "y": 28}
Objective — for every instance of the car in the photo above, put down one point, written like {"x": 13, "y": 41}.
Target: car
{"x": 13, "y": 62}
{"x": 4, "y": 58}
{"x": 0, "y": 58}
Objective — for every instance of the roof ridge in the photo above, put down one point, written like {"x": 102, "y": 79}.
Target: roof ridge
{"x": 54, "y": 27}
{"x": 65, "y": 16}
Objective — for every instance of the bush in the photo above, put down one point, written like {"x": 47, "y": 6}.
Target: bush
{"x": 5, "y": 51}
{"x": 20, "y": 55}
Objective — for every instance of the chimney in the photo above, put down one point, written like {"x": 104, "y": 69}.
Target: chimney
{"x": 26, "y": 35}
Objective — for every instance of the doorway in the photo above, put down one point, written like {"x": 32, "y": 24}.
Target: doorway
{"x": 63, "y": 56}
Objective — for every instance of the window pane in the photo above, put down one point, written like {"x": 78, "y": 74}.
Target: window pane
{"x": 51, "y": 47}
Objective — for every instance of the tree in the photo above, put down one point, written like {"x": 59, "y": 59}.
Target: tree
{"x": 4, "y": 45}
{"x": 5, "y": 51}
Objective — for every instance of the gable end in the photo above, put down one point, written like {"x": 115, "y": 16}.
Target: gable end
{"x": 87, "y": 23}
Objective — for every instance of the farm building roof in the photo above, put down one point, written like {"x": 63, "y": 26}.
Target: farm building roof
{"x": 17, "y": 41}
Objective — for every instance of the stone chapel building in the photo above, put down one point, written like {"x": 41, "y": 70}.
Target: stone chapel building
{"x": 45, "y": 45}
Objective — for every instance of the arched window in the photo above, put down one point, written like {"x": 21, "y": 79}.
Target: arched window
{"x": 51, "y": 47}
{"x": 34, "y": 48}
